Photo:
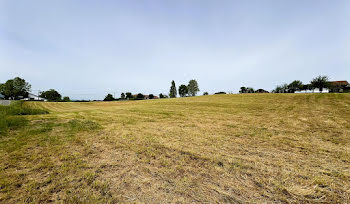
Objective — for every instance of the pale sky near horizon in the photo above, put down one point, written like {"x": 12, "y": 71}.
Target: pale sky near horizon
{"x": 86, "y": 49}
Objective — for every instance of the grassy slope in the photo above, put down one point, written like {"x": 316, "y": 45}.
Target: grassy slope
{"x": 227, "y": 148}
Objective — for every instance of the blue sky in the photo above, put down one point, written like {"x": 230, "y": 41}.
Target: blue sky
{"x": 86, "y": 49}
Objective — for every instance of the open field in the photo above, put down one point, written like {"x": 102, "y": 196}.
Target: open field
{"x": 223, "y": 148}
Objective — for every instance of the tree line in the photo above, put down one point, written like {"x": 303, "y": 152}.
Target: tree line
{"x": 184, "y": 90}
{"x": 319, "y": 82}
{"x": 17, "y": 88}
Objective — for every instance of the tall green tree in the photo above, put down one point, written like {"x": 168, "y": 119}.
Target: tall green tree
{"x": 183, "y": 91}
{"x": 128, "y": 95}
{"x": 109, "y": 97}
{"x": 192, "y": 87}
{"x": 15, "y": 88}
{"x": 243, "y": 90}
{"x": 295, "y": 85}
{"x": 122, "y": 96}
{"x": 173, "y": 91}
{"x": 51, "y": 95}
{"x": 320, "y": 82}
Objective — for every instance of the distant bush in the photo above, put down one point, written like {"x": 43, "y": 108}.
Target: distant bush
{"x": 221, "y": 92}
{"x": 140, "y": 96}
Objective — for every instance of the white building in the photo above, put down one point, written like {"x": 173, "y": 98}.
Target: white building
{"x": 316, "y": 90}
{"x": 32, "y": 97}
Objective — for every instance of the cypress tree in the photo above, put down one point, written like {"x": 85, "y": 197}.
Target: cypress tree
{"x": 173, "y": 91}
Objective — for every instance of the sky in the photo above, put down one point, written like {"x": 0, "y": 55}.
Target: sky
{"x": 85, "y": 49}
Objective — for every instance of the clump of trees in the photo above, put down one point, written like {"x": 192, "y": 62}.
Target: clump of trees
{"x": 122, "y": 96}
{"x": 183, "y": 90}
{"x": 190, "y": 90}
{"x": 140, "y": 96}
{"x": 51, "y": 95}
{"x": 66, "y": 99}
{"x": 163, "y": 96}
{"x": 15, "y": 89}
{"x": 319, "y": 82}
{"x": 109, "y": 97}
{"x": 129, "y": 96}
{"x": 244, "y": 89}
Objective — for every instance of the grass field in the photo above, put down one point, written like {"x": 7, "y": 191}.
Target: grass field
{"x": 223, "y": 148}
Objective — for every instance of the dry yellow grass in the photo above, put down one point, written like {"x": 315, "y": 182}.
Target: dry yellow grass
{"x": 224, "y": 148}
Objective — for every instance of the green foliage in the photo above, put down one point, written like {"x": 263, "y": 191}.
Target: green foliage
{"x": 151, "y": 96}
{"x": 183, "y": 91}
{"x": 320, "y": 82}
{"x": 192, "y": 87}
{"x": 295, "y": 85}
{"x": 243, "y": 90}
{"x": 14, "y": 88}
{"x": 173, "y": 91}
{"x": 140, "y": 96}
{"x": 66, "y": 99}
{"x": 128, "y": 95}
{"x": 250, "y": 90}
{"x": 281, "y": 89}
{"x": 122, "y": 96}
{"x": 163, "y": 96}
{"x": 109, "y": 97}
{"x": 205, "y": 93}
{"x": 51, "y": 95}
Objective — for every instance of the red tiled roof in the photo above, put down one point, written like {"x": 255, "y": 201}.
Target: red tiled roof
{"x": 339, "y": 83}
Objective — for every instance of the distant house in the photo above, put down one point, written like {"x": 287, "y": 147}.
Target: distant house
{"x": 334, "y": 87}
{"x": 32, "y": 97}
{"x": 261, "y": 91}
{"x": 339, "y": 86}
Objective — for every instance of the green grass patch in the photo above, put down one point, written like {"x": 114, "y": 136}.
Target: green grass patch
{"x": 11, "y": 116}
{"x": 77, "y": 125}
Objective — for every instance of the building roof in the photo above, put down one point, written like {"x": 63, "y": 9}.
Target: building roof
{"x": 339, "y": 83}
